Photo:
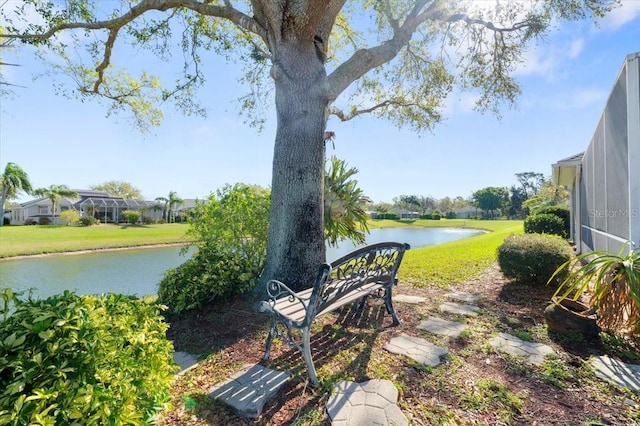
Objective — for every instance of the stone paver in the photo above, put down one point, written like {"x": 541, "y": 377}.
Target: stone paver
{"x": 419, "y": 349}
{"x": 248, "y": 390}
{"x": 368, "y": 403}
{"x": 533, "y": 352}
{"x": 455, "y": 308}
{"x": 618, "y": 372}
{"x": 463, "y": 296}
{"x": 442, "y": 327}
{"x": 184, "y": 360}
{"x": 405, "y": 298}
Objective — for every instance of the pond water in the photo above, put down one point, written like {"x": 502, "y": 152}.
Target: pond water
{"x": 138, "y": 271}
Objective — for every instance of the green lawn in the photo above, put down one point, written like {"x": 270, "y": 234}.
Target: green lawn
{"x": 449, "y": 263}
{"x": 26, "y": 240}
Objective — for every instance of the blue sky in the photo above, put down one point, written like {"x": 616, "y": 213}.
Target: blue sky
{"x": 565, "y": 81}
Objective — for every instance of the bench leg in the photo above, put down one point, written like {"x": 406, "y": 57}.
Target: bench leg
{"x": 267, "y": 346}
{"x": 388, "y": 303}
{"x": 306, "y": 354}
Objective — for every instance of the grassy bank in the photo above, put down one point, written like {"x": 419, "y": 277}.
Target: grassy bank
{"x": 30, "y": 240}
{"x": 454, "y": 262}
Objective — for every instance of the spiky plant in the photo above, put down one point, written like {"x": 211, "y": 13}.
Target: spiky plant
{"x": 613, "y": 283}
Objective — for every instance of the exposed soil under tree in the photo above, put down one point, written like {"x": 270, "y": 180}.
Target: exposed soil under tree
{"x": 448, "y": 394}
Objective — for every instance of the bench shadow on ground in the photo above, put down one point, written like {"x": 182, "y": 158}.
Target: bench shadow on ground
{"x": 207, "y": 331}
{"x": 341, "y": 332}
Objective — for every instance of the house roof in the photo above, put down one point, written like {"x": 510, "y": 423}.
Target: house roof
{"x": 565, "y": 170}
{"x": 90, "y": 196}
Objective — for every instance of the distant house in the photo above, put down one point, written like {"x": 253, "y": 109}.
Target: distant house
{"x": 406, "y": 214}
{"x": 102, "y": 205}
{"x": 468, "y": 212}
{"x": 604, "y": 181}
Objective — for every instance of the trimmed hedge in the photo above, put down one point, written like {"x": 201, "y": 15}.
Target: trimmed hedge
{"x": 533, "y": 258}
{"x": 561, "y": 211}
{"x": 82, "y": 360}
{"x": 545, "y": 224}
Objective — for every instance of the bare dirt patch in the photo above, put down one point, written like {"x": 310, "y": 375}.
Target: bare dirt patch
{"x": 475, "y": 385}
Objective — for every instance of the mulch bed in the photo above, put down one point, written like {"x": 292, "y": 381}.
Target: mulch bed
{"x": 234, "y": 335}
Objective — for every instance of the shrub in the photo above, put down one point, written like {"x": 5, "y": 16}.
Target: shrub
{"x": 131, "y": 216}
{"x": 72, "y": 359}
{"x": 6, "y": 221}
{"x": 561, "y": 211}
{"x": 210, "y": 274}
{"x": 533, "y": 258}
{"x": 388, "y": 215}
{"x": 70, "y": 216}
{"x": 426, "y": 216}
{"x": 451, "y": 215}
{"x": 44, "y": 221}
{"x": 88, "y": 221}
{"x": 545, "y": 224}
{"x": 436, "y": 215}
{"x": 231, "y": 229}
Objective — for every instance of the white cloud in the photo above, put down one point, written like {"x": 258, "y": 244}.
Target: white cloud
{"x": 628, "y": 11}
{"x": 459, "y": 103}
{"x": 576, "y": 100}
{"x": 575, "y": 48}
{"x": 550, "y": 60}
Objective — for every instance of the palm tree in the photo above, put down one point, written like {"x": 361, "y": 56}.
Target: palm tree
{"x": 12, "y": 181}
{"x": 173, "y": 202}
{"x": 165, "y": 209}
{"x": 54, "y": 193}
{"x": 344, "y": 205}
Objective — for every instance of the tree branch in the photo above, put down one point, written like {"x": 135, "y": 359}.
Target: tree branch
{"x": 226, "y": 12}
{"x": 354, "y": 113}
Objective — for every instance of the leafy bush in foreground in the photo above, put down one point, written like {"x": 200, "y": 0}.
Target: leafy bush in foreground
{"x": 533, "y": 258}
{"x": 545, "y": 224}
{"x": 71, "y": 360}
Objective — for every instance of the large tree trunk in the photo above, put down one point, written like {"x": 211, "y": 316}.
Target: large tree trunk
{"x": 296, "y": 230}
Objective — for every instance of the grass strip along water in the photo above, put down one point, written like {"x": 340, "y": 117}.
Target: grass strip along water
{"x": 454, "y": 262}
{"x": 34, "y": 240}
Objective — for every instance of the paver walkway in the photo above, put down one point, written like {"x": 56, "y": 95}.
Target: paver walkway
{"x": 617, "y": 372}
{"x": 442, "y": 327}
{"x": 462, "y": 296}
{"x": 368, "y": 403}
{"x": 533, "y": 352}
{"x": 374, "y": 402}
{"x": 417, "y": 348}
{"x": 405, "y": 298}
{"x": 455, "y": 308}
{"x": 248, "y": 390}
{"x": 184, "y": 360}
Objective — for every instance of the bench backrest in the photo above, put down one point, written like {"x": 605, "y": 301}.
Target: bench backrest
{"x": 375, "y": 263}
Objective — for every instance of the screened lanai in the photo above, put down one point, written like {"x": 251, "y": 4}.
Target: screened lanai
{"x": 109, "y": 209}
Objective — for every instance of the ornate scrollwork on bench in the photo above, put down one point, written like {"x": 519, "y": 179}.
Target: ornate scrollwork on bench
{"x": 369, "y": 271}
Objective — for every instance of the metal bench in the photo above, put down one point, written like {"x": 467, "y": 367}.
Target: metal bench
{"x": 368, "y": 271}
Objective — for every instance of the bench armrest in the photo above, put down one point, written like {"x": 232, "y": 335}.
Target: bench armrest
{"x": 278, "y": 290}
